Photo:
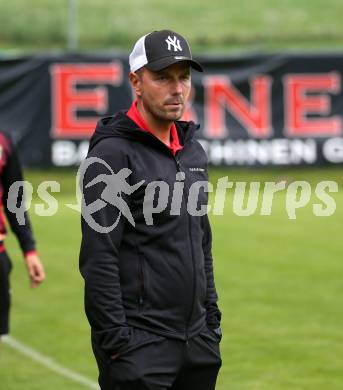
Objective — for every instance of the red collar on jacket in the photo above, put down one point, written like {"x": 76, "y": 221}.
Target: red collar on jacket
{"x": 134, "y": 114}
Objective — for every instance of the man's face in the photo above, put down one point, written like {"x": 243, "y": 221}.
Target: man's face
{"x": 164, "y": 93}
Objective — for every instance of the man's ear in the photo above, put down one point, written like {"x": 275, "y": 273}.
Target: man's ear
{"x": 136, "y": 82}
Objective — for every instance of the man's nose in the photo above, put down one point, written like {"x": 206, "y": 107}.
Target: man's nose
{"x": 177, "y": 87}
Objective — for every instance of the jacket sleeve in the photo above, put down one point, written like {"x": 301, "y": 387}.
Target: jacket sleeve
{"x": 99, "y": 260}
{"x": 213, "y": 314}
{"x": 12, "y": 173}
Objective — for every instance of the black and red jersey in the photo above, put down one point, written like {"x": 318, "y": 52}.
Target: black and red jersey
{"x": 10, "y": 172}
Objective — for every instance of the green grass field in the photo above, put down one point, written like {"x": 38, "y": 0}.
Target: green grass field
{"x": 279, "y": 282}
{"x": 211, "y": 26}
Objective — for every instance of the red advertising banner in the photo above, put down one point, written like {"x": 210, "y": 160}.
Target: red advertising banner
{"x": 268, "y": 110}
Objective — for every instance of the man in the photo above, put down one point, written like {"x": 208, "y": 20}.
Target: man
{"x": 10, "y": 172}
{"x": 150, "y": 295}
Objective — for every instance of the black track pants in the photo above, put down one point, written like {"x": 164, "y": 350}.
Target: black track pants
{"x": 155, "y": 362}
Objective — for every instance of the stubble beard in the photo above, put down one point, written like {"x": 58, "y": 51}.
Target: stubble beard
{"x": 164, "y": 115}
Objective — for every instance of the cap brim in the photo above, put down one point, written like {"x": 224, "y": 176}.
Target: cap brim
{"x": 163, "y": 63}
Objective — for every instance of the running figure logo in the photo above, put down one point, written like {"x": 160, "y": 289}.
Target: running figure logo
{"x": 116, "y": 185}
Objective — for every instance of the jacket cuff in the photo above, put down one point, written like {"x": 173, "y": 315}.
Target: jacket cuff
{"x": 31, "y": 252}
{"x": 112, "y": 340}
{"x": 217, "y": 332}
{"x": 213, "y": 318}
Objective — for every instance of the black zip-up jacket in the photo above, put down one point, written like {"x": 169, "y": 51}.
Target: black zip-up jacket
{"x": 155, "y": 277}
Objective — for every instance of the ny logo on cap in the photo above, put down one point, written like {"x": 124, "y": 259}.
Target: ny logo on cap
{"x": 173, "y": 42}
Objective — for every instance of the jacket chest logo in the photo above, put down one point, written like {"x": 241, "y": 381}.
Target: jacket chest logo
{"x": 197, "y": 169}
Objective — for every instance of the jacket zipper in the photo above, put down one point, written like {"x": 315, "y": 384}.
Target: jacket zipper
{"x": 179, "y": 169}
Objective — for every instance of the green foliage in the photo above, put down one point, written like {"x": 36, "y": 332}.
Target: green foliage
{"x": 218, "y": 25}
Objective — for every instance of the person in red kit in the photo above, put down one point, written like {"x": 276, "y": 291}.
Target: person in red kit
{"x": 10, "y": 172}
{"x": 150, "y": 295}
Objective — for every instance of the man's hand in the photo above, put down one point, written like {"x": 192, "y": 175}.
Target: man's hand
{"x": 35, "y": 269}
